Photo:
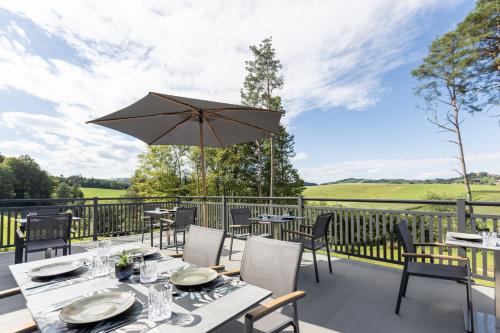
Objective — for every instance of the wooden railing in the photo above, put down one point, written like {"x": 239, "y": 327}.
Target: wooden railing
{"x": 355, "y": 231}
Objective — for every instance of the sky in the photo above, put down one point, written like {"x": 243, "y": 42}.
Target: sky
{"x": 348, "y": 91}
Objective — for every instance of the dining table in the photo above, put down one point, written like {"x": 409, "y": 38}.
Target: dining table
{"x": 193, "y": 310}
{"x": 277, "y": 220}
{"x": 483, "y": 322}
{"x": 155, "y": 216}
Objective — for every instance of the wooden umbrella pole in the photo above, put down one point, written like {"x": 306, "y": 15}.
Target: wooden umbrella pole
{"x": 203, "y": 179}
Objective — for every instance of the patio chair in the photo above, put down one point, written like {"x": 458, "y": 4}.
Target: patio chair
{"x": 273, "y": 265}
{"x": 241, "y": 222}
{"x": 184, "y": 218}
{"x": 461, "y": 274}
{"x": 312, "y": 239}
{"x": 203, "y": 247}
{"x": 19, "y": 321}
{"x": 146, "y": 219}
{"x": 45, "y": 232}
{"x": 41, "y": 211}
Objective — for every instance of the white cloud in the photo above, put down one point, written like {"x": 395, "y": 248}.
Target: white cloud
{"x": 300, "y": 156}
{"x": 422, "y": 168}
{"x": 333, "y": 53}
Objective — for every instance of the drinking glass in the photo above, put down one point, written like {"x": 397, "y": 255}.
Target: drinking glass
{"x": 484, "y": 236}
{"x": 492, "y": 240}
{"x": 104, "y": 248}
{"x": 148, "y": 271}
{"x": 160, "y": 302}
{"x": 100, "y": 265}
{"x": 157, "y": 209}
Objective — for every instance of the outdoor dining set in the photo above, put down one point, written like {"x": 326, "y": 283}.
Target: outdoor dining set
{"x": 130, "y": 287}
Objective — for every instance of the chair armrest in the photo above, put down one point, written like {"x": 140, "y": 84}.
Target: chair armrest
{"x": 166, "y": 220}
{"x": 20, "y": 234}
{"x": 299, "y": 233}
{"x": 306, "y": 226}
{"x": 218, "y": 267}
{"x": 239, "y": 226}
{"x": 175, "y": 255}
{"x": 233, "y": 272}
{"x": 10, "y": 292}
{"x": 271, "y": 306}
{"x": 435, "y": 256}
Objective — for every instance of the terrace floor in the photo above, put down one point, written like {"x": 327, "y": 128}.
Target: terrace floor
{"x": 357, "y": 297}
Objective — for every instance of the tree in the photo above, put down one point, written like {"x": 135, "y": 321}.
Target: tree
{"x": 262, "y": 79}
{"x": 63, "y": 190}
{"x": 6, "y": 182}
{"x": 30, "y": 181}
{"x": 480, "y": 32}
{"x": 157, "y": 173}
{"x": 447, "y": 87}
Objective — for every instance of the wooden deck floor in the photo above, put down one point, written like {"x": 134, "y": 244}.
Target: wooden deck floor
{"x": 357, "y": 297}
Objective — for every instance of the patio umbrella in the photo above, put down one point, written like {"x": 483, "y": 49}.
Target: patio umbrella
{"x": 159, "y": 119}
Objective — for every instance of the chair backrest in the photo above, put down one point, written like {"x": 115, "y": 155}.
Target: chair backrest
{"x": 203, "y": 246}
{"x": 241, "y": 216}
{"x": 320, "y": 228}
{"x": 271, "y": 264}
{"x": 150, "y": 206}
{"x": 41, "y": 211}
{"x": 185, "y": 216}
{"x": 48, "y": 227}
{"x": 405, "y": 238}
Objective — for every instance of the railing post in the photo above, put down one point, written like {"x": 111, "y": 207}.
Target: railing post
{"x": 461, "y": 220}
{"x": 224, "y": 213}
{"x": 300, "y": 205}
{"x": 96, "y": 218}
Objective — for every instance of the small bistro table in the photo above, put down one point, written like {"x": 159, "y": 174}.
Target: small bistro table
{"x": 484, "y": 322}
{"x": 18, "y": 253}
{"x": 46, "y": 301}
{"x": 280, "y": 220}
{"x": 156, "y": 215}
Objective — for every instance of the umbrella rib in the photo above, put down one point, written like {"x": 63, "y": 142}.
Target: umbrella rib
{"x": 213, "y": 131}
{"x": 174, "y": 100}
{"x": 240, "y": 122}
{"x": 242, "y": 108}
{"x": 170, "y": 130}
{"x": 143, "y": 116}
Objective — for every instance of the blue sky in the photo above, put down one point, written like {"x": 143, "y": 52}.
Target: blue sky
{"x": 348, "y": 91}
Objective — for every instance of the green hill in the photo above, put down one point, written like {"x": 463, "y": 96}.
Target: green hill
{"x": 90, "y": 192}
{"x": 402, "y": 191}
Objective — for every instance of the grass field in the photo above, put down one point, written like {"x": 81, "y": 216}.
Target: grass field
{"x": 402, "y": 191}
{"x": 89, "y": 192}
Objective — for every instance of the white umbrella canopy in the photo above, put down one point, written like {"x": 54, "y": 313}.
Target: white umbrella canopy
{"x": 159, "y": 119}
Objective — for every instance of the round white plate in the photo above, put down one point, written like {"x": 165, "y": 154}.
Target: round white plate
{"x": 55, "y": 269}
{"x": 468, "y": 237}
{"x": 97, "y": 307}
{"x": 193, "y": 276}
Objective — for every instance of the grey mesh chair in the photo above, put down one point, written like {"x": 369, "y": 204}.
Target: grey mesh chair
{"x": 460, "y": 274}
{"x": 45, "y": 232}
{"x": 242, "y": 226}
{"x": 203, "y": 247}
{"x": 184, "y": 218}
{"x": 146, "y": 219}
{"x": 316, "y": 238}
{"x": 273, "y": 265}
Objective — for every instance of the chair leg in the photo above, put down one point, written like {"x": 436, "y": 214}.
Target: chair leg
{"x": 328, "y": 255}
{"x": 142, "y": 231}
{"x": 295, "y": 324}
{"x": 175, "y": 242}
{"x": 315, "y": 266}
{"x": 405, "y": 285}
{"x": 469, "y": 305}
{"x": 161, "y": 235}
{"x": 402, "y": 290}
{"x": 231, "y": 245}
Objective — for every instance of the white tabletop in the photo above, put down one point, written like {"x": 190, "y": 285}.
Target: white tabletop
{"x": 202, "y": 319}
{"x": 450, "y": 240}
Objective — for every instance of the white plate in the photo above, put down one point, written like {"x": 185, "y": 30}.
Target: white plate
{"x": 467, "y": 237}
{"x": 97, "y": 307}
{"x": 193, "y": 276}
{"x": 55, "y": 269}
